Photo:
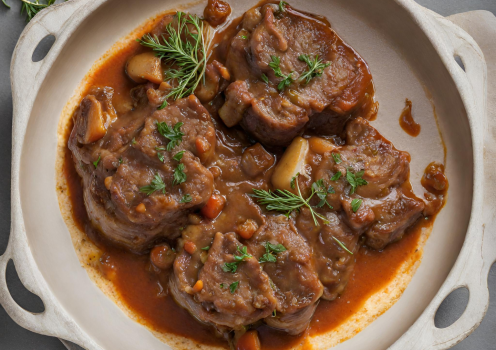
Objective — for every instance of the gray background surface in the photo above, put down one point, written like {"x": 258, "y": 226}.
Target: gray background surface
{"x": 13, "y": 337}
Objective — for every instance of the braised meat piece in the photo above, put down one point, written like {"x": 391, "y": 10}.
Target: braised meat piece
{"x": 287, "y": 260}
{"x": 291, "y": 72}
{"x": 333, "y": 263}
{"x": 372, "y": 176}
{"x": 229, "y": 298}
{"x": 137, "y": 187}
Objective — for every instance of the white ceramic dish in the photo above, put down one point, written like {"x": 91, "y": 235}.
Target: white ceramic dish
{"x": 410, "y": 51}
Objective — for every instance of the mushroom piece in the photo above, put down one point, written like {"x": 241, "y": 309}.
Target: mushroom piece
{"x": 143, "y": 67}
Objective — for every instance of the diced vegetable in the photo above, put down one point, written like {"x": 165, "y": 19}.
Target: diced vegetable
{"x": 198, "y": 286}
{"x": 143, "y": 67}
{"x": 320, "y": 146}
{"x": 162, "y": 256}
{"x": 247, "y": 229}
{"x": 141, "y": 208}
{"x": 249, "y": 341}
{"x": 291, "y": 163}
{"x": 190, "y": 247}
{"x": 214, "y": 206}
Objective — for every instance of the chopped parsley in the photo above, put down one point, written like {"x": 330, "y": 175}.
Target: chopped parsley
{"x": 233, "y": 266}
{"x": 315, "y": 67}
{"x": 355, "y": 180}
{"x": 282, "y": 6}
{"x": 157, "y": 184}
{"x": 173, "y": 134}
{"x": 222, "y": 285}
{"x": 270, "y": 251}
{"x": 321, "y": 191}
{"x": 120, "y": 160}
{"x": 95, "y": 163}
{"x": 244, "y": 37}
{"x": 161, "y": 157}
{"x": 133, "y": 141}
{"x": 355, "y": 204}
{"x": 336, "y": 176}
{"x": 286, "y": 79}
{"x": 233, "y": 286}
{"x": 178, "y": 156}
{"x": 206, "y": 248}
{"x": 337, "y": 158}
{"x": 186, "y": 198}
{"x": 179, "y": 175}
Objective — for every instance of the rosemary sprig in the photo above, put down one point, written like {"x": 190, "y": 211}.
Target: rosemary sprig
{"x": 315, "y": 67}
{"x": 31, "y": 7}
{"x": 188, "y": 54}
{"x": 286, "y": 202}
{"x": 341, "y": 244}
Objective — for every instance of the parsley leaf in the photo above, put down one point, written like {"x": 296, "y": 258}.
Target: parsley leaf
{"x": 178, "y": 156}
{"x": 321, "y": 191}
{"x": 286, "y": 79}
{"x": 270, "y": 250}
{"x": 186, "y": 198}
{"x": 160, "y": 157}
{"x": 233, "y": 286}
{"x": 336, "y": 176}
{"x": 315, "y": 67}
{"x": 133, "y": 141}
{"x": 233, "y": 266}
{"x": 337, "y": 158}
{"x": 282, "y": 5}
{"x": 222, "y": 285}
{"x": 355, "y": 204}
{"x": 157, "y": 184}
{"x": 244, "y": 37}
{"x": 179, "y": 175}
{"x": 95, "y": 163}
{"x": 206, "y": 248}
{"x": 120, "y": 160}
{"x": 174, "y": 135}
{"x": 355, "y": 180}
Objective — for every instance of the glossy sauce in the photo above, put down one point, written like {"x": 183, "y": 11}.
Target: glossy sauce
{"x": 407, "y": 123}
{"x": 145, "y": 292}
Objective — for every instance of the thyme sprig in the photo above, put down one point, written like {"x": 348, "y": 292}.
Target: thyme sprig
{"x": 184, "y": 48}
{"x": 275, "y": 64}
{"x": 157, "y": 184}
{"x": 286, "y": 202}
{"x": 315, "y": 67}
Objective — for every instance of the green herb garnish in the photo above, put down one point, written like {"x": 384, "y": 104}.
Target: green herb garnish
{"x": 179, "y": 175}
{"x": 178, "y": 156}
{"x": 174, "y": 135}
{"x": 293, "y": 181}
{"x": 31, "y": 7}
{"x": 161, "y": 157}
{"x": 282, "y": 5}
{"x": 184, "y": 47}
{"x": 287, "y": 202}
{"x": 186, "y": 198}
{"x": 270, "y": 250}
{"x": 233, "y": 286}
{"x": 133, "y": 141}
{"x": 233, "y": 266}
{"x": 95, "y": 163}
{"x": 322, "y": 191}
{"x": 355, "y": 204}
{"x": 336, "y": 176}
{"x": 286, "y": 79}
{"x": 265, "y": 78}
{"x": 120, "y": 160}
{"x": 355, "y": 180}
{"x": 342, "y": 245}
{"x": 222, "y": 285}
{"x": 157, "y": 184}
{"x": 337, "y": 158}
{"x": 206, "y": 248}
{"x": 315, "y": 67}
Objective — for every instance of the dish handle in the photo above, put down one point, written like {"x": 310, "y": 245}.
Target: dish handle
{"x": 26, "y": 78}
{"x": 476, "y": 257}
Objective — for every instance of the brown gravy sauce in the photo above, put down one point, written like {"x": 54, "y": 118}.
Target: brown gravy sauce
{"x": 407, "y": 123}
{"x": 140, "y": 288}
